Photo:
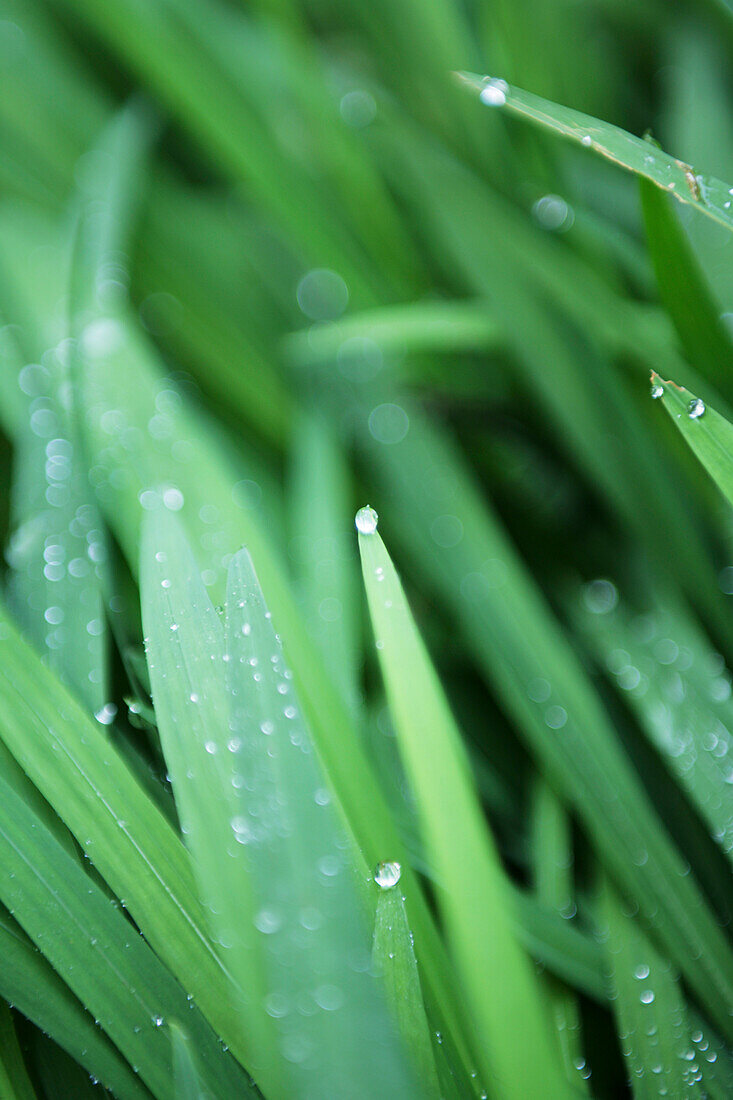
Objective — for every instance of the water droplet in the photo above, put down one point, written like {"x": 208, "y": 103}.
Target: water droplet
{"x": 553, "y": 213}
{"x": 641, "y": 972}
{"x": 366, "y": 520}
{"x": 647, "y": 997}
{"x": 657, "y": 390}
{"x": 387, "y": 874}
{"x": 173, "y": 499}
{"x": 158, "y": 1021}
{"x": 494, "y": 92}
{"x": 106, "y": 714}
{"x": 322, "y": 295}
{"x": 586, "y": 140}
{"x": 696, "y": 408}
{"x": 389, "y": 423}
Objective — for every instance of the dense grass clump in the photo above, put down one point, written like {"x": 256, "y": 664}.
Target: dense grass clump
{"x": 304, "y": 797}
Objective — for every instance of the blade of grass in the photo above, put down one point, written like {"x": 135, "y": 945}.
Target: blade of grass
{"x": 709, "y": 195}
{"x": 187, "y": 656}
{"x": 30, "y": 984}
{"x": 679, "y": 689}
{"x": 127, "y": 989}
{"x": 118, "y": 826}
{"x": 553, "y": 863}
{"x": 256, "y": 813}
{"x": 187, "y": 1084}
{"x": 302, "y": 861}
{"x": 709, "y": 435}
{"x": 482, "y": 581}
{"x": 650, "y": 1010}
{"x": 325, "y": 568}
{"x": 14, "y": 1081}
{"x": 473, "y": 893}
{"x": 394, "y": 959}
{"x": 684, "y": 291}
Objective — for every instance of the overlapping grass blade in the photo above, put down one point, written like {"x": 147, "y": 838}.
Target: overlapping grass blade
{"x": 553, "y": 863}
{"x": 186, "y": 1081}
{"x": 650, "y": 1008}
{"x": 325, "y": 566}
{"x": 29, "y": 982}
{"x": 472, "y": 894}
{"x": 127, "y": 989}
{"x": 14, "y": 1081}
{"x": 394, "y": 960}
{"x": 547, "y": 693}
{"x": 680, "y": 691}
{"x": 187, "y": 656}
{"x": 123, "y": 832}
{"x": 685, "y": 293}
{"x": 309, "y": 907}
{"x": 271, "y": 855}
{"x": 187, "y": 467}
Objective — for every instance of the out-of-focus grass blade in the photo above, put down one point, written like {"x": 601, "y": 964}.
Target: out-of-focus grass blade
{"x": 553, "y": 863}
{"x": 122, "y": 831}
{"x": 650, "y": 1011}
{"x": 194, "y": 84}
{"x": 29, "y": 982}
{"x": 14, "y": 1081}
{"x": 473, "y": 894}
{"x": 57, "y": 553}
{"x": 684, "y": 291}
{"x": 709, "y": 195}
{"x": 325, "y": 566}
{"x": 127, "y": 989}
{"x": 187, "y": 658}
{"x": 309, "y": 910}
{"x": 569, "y": 953}
{"x": 403, "y": 329}
{"x": 680, "y": 691}
{"x": 394, "y": 959}
{"x": 186, "y": 1081}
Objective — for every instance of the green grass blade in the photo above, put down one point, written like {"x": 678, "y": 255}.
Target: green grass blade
{"x": 553, "y": 864}
{"x": 684, "y": 291}
{"x": 189, "y": 464}
{"x": 57, "y": 553}
{"x": 650, "y": 1009}
{"x": 187, "y": 655}
{"x": 709, "y": 195}
{"x": 303, "y": 875}
{"x": 394, "y": 959}
{"x": 187, "y": 1084}
{"x": 677, "y": 686}
{"x": 118, "y": 826}
{"x": 127, "y": 988}
{"x": 481, "y": 580}
{"x": 709, "y": 435}
{"x": 403, "y": 329}
{"x": 14, "y": 1081}
{"x": 473, "y": 894}
{"x": 326, "y": 572}
{"x": 29, "y": 982}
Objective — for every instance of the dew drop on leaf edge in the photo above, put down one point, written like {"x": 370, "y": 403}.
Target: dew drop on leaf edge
{"x": 366, "y": 520}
